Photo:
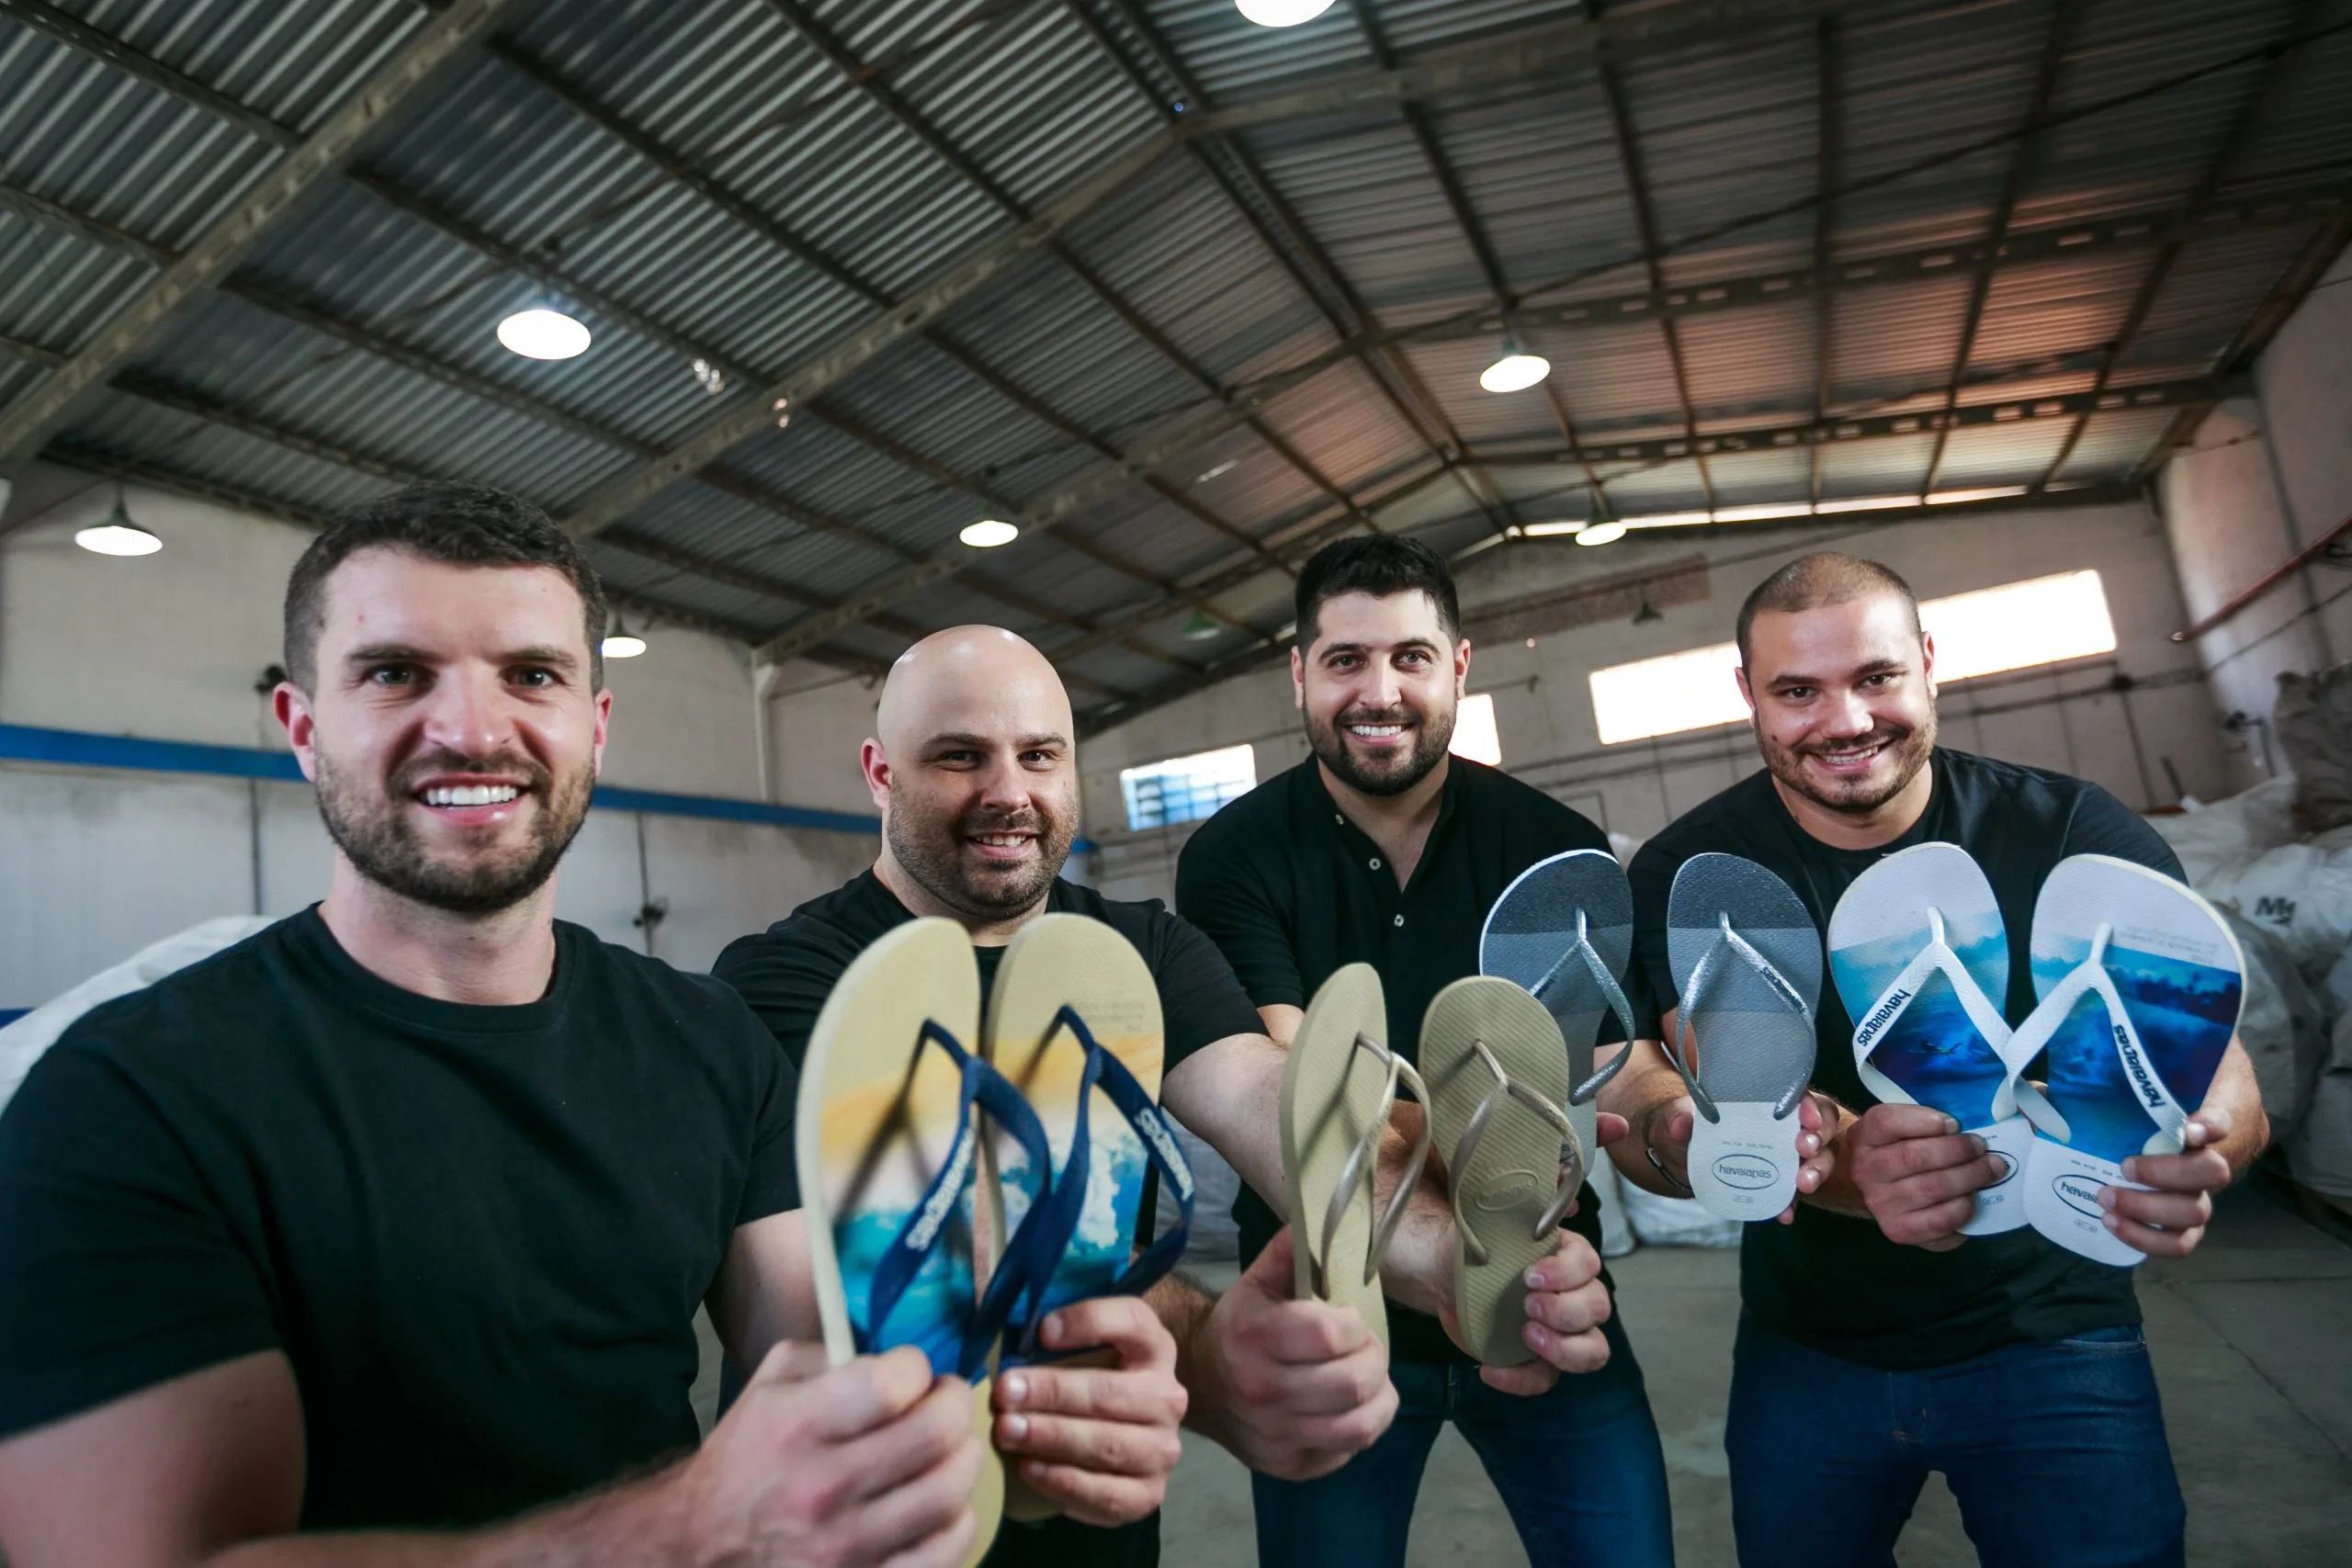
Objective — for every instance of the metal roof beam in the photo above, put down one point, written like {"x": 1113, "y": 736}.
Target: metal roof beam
{"x": 2301, "y": 20}
{"x": 394, "y": 85}
{"x": 2063, "y": 17}
{"x": 1829, "y": 103}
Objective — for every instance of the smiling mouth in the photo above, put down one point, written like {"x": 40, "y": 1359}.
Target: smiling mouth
{"x": 460, "y": 795}
{"x": 1850, "y": 757}
{"x": 1376, "y": 732}
{"x": 1000, "y": 845}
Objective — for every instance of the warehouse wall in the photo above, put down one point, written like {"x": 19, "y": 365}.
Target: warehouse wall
{"x": 2266, "y": 475}
{"x": 97, "y": 862}
{"x": 2069, "y": 716}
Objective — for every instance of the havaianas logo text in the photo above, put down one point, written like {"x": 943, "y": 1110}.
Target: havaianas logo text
{"x": 1153, "y": 1129}
{"x": 1749, "y": 1173}
{"x": 1881, "y": 1018}
{"x": 1506, "y": 1192}
{"x": 2138, "y": 1068}
{"x": 942, "y": 1201}
{"x": 2079, "y": 1193}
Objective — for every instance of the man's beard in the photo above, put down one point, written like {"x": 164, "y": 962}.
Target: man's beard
{"x": 1857, "y": 796}
{"x": 378, "y": 840}
{"x": 930, "y": 847}
{"x": 1432, "y": 734}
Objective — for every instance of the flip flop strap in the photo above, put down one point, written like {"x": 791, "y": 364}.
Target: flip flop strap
{"x": 1612, "y": 993}
{"x": 1043, "y": 1247}
{"x": 2154, "y": 1095}
{"x": 1936, "y": 956}
{"x": 1466, "y": 1149}
{"x": 1363, "y": 1159}
{"x": 1686, "y": 1024}
{"x": 919, "y": 1238}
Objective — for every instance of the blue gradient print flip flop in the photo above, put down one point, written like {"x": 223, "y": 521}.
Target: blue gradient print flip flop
{"x": 2141, "y": 983}
{"x": 1920, "y": 955}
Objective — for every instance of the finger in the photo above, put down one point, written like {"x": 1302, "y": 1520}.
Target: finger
{"x": 1572, "y": 1266}
{"x": 1106, "y": 1501}
{"x": 1525, "y": 1381}
{"x": 1585, "y": 1353}
{"x": 1304, "y": 1334}
{"x": 1928, "y": 1225}
{"x": 1890, "y": 1162}
{"x": 922, "y": 1439}
{"x": 1112, "y": 1448}
{"x": 1149, "y": 1395}
{"x": 867, "y": 1392}
{"x": 2171, "y": 1210}
{"x": 1274, "y": 1271}
{"x": 947, "y": 1549}
{"x": 1277, "y": 1394}
{"x": 1349, "y": 1430}
{"x": 1122, "y": 1322}
{"x": 1933, "y": 1187}
{"x": 1677, "y": 1130}
{"x": 2209, "y": 1126}
{"x": 921, "y": 1505}
{"x": 1608, "y": 1127}
{"x": 1895, "y": 1124}
{"x": 1570, "y": 1312}
{"x": 2202, "y": 1171}
{"x": 2156, "y": 1243}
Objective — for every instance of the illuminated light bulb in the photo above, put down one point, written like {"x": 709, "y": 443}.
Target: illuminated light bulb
{"x": 542, "y": 333}
{"x": 988, "y": 533}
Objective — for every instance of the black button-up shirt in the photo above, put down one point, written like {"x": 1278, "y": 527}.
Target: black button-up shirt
{"x": 1291, "y": 890}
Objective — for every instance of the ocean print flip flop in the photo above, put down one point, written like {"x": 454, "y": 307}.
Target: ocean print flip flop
{"x": 887, "y": 1146}
{"x": 1564, "y": 930}
{"x": 1747, "y": 965}
{"x": 1920, "y": 957}
{"x": 1339, "y": 1083}
{"x": 2140, "y": 984}
{"x": 1499, "y": 1073}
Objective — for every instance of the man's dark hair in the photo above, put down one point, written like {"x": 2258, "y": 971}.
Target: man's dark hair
{"x": 1823, "y": 577}
{"x": 1379, "y": 565}
{"x": 455, "y": 525}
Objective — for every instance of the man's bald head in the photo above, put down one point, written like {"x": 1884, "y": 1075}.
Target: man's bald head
{"x": 1825, "y": 576}
{"x": 975, "y": 769}
{"x": 949, "y": 677}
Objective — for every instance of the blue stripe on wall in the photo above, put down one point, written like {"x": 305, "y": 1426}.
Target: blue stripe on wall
{"x": 73, "y": 747}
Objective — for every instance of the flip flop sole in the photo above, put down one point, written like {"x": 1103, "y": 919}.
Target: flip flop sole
{"x": 1514, "y": 1171}
{"x": 1920, "y": 1039}
{"x": 876, "y": 1123}
{"x": 1057, "y": 960}
{"x": 1744, "y": 1166}
{"x": 2180, "y": 975}
{"x": 1534, "y": 926}
{"x": 1331, "y": 1094}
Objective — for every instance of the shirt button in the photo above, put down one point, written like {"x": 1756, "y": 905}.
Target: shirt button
{"x": 1338, "y": 819}
{"x": 1400, "y": 919}
{"x": 1375, "y": 863}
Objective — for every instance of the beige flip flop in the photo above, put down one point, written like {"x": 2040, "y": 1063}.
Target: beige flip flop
{"x": 1068, "y": 961}
{"x": 1500, "y": 1071}
{"x": 887, "y": 1153}
{"x": 1339, "y": 1086}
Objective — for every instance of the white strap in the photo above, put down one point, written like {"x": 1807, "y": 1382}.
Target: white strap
{"x": 2154, "y": 1095}
{"x": 1936, "y": 957}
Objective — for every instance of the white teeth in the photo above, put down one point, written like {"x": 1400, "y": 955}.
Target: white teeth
{"x": 1376, "y": 731}
{"x": 1004, "y": 840}
{"x": 471, "y": 795}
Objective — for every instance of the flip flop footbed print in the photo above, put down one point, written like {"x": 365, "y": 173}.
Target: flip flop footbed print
{"x": 2110, "y": 937}
{"x": 1922, "y": 956}
{"x": 1564, "y": 930}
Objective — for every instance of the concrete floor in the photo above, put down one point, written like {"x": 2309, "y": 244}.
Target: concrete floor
{"x": 2253, "y": 1344}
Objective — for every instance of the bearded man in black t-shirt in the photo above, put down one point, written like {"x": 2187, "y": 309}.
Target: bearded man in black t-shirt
{"x": 973, "y": 765}
{"x": 1878, "y": 1344}
{"x": 359, "y": 1239}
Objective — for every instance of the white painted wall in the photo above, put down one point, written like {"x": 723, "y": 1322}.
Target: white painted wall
{"x": 2266, "y": 475}
{"x": 2066, "y": 719}
{"x": 95, "y": 864}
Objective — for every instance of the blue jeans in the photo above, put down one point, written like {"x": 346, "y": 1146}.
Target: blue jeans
{"x": 1580, "y": 1468}
{"x": 2054, "y": 1449}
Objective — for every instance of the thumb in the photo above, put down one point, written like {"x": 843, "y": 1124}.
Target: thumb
{"x": 1274, "y": 1272}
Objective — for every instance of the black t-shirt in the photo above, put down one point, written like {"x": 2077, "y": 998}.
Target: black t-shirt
{"x": 1291, "y": 891}
{"x": 1835, "y": 1281}
{"x": 786, "y": 971}
{"x": 478, "y": 1234}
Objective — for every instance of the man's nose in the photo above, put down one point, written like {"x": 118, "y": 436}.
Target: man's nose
{"x": 1003, "y": 784}
{"x": 1845, "y": 714}
{"x": 468, "y": 714}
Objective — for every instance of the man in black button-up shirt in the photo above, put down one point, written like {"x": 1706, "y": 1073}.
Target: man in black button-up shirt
{"x": 1385, "y": 848}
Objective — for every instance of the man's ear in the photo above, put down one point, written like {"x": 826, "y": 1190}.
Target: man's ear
{"x": 1739, "y": 674}
{"x": 293, "y": 711}
{"x": 1461, "y": 668}
{"x": 875, "y": 764}
{"x": 1298, "y": 678}
{"x": 603, "y": 731}
{"x": 1927, "y": 662}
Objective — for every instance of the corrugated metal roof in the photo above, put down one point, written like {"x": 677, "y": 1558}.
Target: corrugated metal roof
{"x": 546, "y": 165}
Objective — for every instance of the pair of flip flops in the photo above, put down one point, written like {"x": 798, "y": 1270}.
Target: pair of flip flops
{"x": 1506, "y": 1078}
{"x": 962, "y": 1180}
{"x": 2139, "y": 984}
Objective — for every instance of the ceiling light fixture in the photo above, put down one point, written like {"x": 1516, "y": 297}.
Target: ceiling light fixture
{"x": 1550, "y": 530}
{"x": 1281, "y": 13}
{"x": 1516, "y": 371}
{"x": 542, "y": 333}
{"x": 988, "y": 533}
{"x": 622, "y": 643}
{"x": 117, "y": 535}
{"x": 1200, "y": 628}
{"x": 1600, "y": 534}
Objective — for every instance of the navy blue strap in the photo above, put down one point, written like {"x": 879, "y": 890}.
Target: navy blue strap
{"x": 919, "y": 1238}
{"x": 1067, "y": 1203}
